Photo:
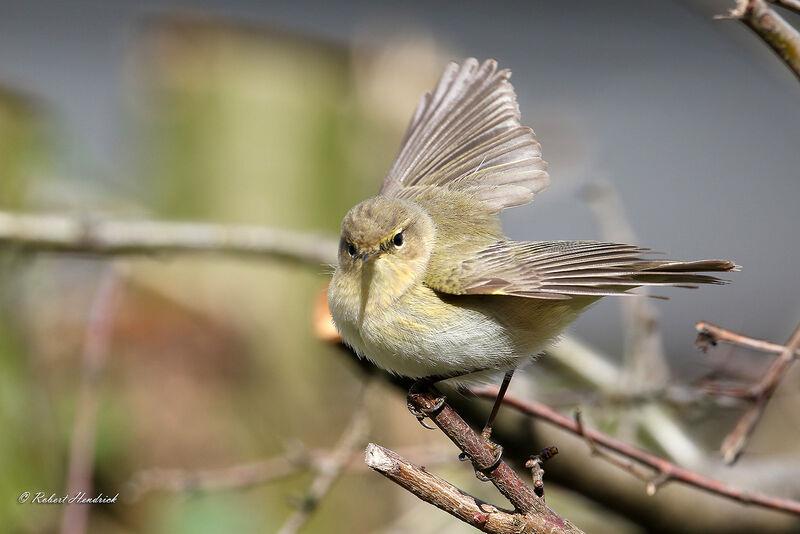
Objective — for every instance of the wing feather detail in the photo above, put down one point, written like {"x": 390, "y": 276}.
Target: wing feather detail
{"x": 466, "y": 135}
{"x": 562, "y": 269}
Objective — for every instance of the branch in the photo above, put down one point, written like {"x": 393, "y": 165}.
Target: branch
{"x": 709, "y": 334}
{"x": 95, "y": 235}
{"x": 760, "y": 395}
{"x": 442, "y": 494}
{"x": 532, "y": 512}
{"x": 666, "y": 471}
{"x": 99, "y": 328}
{"x": 771, "y": 28}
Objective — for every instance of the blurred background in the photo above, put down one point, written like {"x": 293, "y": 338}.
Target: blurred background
{"x": 287, "y": 114}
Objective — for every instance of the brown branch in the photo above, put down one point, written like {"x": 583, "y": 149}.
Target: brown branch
{"x": 444, "y": 495}
{"x": 709, "y": 334}
{"x": 761, "y": 393}
{"x": 97, "y": 341}
{"x": 528, "y": 506}
{"x": 667, "y": 471}
{"x": 771, "y": 28}
{"x": 96, "y": 235}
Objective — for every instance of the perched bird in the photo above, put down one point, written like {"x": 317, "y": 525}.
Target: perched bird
{"x": 427, "y": 286}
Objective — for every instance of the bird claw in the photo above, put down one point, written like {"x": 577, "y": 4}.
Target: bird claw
{"x": 421, "y": 420}
{"x": 421, "y": 414}
{"x": 481, "y": 470}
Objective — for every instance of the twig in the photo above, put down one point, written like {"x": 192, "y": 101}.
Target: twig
{"x": 484, "y": 459}
{"x": 709, "y": 334}
{"x": 99, "y": 328}
{"x": 735, "y": 442}
{"x": 667, "y": 470}
{"x": 95, "y": 235}
{"x": 330, "y": 468}
{"x": 442, "y": 494}
{"x": 536, "y": 464}
{"x": 771, "y": 28}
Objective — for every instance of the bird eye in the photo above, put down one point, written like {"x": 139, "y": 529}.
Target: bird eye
{"x": 398, "y": 239}
{"x": 351, "y": 249}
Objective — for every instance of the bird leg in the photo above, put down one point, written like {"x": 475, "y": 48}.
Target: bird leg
{"x": 486, "y": 433}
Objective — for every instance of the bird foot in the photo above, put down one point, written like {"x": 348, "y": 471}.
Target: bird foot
{"x": 496, "y": 449}
{"x": 419, "y": 387}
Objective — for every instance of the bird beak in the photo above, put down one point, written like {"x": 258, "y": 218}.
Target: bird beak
{"x": 369, "y": 256}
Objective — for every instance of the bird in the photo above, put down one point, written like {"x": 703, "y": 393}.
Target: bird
{"x": 427, "y": 285}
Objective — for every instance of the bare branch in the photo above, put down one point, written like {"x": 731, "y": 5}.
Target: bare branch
{"x": 99, "y": 328}
{"x": 442, "y": 494}
{"x": 771, "y": 28}
{"x": 735, "y": 442}
{"x": 485, "y": 461}
{"x": 666, "y": 470}
{"x": 709, "y": 334}
{"x": 95, "y": 235}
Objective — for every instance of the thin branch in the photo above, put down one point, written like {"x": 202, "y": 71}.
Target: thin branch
{"x": 735, "y": 442}
{"x": 442, "y": 494}
{"x": 330, "y": 468}
{"x": 771, "y": 28}
{"x": 95, "y": 235}
{"x": 666, "y": 469}
{"x": 485, "y": 461}
{"x": 709, "y": 334}
{"x": 97, "y": 341}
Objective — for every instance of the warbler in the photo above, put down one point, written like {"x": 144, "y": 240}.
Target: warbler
{"x": 427, "y": 285}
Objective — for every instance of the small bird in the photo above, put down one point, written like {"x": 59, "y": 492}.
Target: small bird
{"x": 427, "y": 286}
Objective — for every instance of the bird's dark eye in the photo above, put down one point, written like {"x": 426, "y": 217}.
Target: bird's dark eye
{"x": 398, "y": 239}
{"x": 351, "y": 249}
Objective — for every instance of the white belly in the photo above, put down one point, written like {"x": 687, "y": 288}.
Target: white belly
{"x": 422, "y": 335}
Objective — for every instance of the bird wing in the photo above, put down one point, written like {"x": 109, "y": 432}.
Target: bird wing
{"x": 562, "y": 269}
{"x": 466, "y": 136}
